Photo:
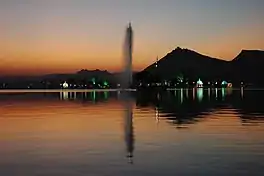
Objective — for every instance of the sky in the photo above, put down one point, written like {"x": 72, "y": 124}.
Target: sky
{"x": 64, "y": 36}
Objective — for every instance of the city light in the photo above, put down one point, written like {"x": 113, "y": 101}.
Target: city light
{"x": 65, "y": 85}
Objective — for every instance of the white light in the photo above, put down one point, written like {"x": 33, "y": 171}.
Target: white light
{"x": 65, "y": 85}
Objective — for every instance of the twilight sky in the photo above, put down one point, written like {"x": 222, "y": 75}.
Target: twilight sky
{"x": 57, "y": 36}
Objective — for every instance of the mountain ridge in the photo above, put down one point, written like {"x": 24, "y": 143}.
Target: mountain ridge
{"x": 194, "y": 65}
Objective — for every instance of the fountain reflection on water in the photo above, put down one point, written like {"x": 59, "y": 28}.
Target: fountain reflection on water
{"x": 129, "y": 131}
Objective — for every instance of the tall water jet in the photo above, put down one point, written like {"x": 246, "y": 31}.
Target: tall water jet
{"x": 126, "y": 81}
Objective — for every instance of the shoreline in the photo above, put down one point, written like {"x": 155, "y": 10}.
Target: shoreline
{"x": 61, "y": 90}
{"x": 113, "y": 90}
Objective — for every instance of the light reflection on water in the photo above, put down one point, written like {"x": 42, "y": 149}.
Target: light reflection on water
{"x": 200, "y": 94}
{"x": 184, "y": 132}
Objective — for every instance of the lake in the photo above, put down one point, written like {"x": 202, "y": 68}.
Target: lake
{"x": 112, "y": 133}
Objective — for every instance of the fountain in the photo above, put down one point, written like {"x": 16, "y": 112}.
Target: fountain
{"x": 126, "y": 83}
{"x": 126, "y": 80}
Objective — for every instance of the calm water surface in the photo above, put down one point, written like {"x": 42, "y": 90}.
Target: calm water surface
{"x": 181, "y": 132}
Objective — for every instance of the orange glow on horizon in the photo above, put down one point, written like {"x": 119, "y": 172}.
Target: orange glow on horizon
{"x": 53, "y": 37}
{"x": 45, "y": 55}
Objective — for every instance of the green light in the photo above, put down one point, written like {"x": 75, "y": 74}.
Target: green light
{"x": 105, "y": 83}
{"x": 93, "y": 80}
{"x": 94, "y": 96}
{"x": 224, "y": 83}
{"x": 199, "y": 82}
{"x": 106, "y": 95}
{"x": 180, "y": 78}
{"x": 223, "y": 93}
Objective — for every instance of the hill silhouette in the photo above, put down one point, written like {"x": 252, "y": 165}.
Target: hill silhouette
{"x": 248, "y": 67}
{"x": 190, "y": 65}
{"x": 187, "y": 63}
{"x": 82, "y": 77}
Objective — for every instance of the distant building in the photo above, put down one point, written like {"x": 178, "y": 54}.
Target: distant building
{"x": 199, "y": 83}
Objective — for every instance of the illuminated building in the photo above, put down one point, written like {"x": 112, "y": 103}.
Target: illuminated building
{"x": 199, "y": 83}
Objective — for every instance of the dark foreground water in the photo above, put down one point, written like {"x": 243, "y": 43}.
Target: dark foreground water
{"x": 182, "y": 132}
